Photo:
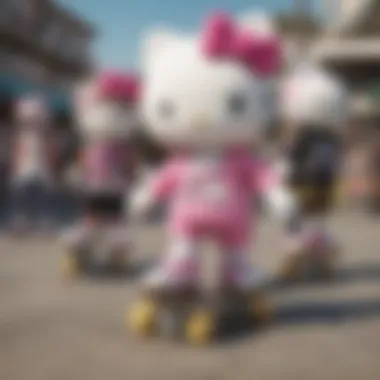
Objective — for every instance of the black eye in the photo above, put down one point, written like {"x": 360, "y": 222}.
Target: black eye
{"x": 166, "y": 109}
{"x": 237, "y": 104}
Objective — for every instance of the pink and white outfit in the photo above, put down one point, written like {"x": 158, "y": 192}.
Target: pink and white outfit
{"x": 106, "y": 113}
{"x": 107, "y": 166}
{"x": 211, "y": 199}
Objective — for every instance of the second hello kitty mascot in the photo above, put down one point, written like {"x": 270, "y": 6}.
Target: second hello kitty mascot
{"x": 313, "y": 106}
{"x": 106, "y": 117}
{"x": 202, "y": 99}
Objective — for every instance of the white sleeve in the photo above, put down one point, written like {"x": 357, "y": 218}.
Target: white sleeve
{"x": 281, "y": 202}
{"x": 141, "y": 196}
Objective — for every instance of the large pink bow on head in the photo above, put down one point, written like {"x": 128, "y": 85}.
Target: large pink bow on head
{"x": 119, "y": 86}
{"x": 222, "y": 38}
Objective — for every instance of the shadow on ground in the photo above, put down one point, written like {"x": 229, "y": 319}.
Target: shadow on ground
{"x": 369, "y": 271}
{"x": 305, "y": 313}
{"x": 315, "y": 312}
{"x": 327, "y": 312}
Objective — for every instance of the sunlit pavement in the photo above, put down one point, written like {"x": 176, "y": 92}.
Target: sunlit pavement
{"x": 52, "y": 330}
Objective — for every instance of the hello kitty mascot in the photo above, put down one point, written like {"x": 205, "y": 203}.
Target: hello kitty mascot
{"x": 314, "y": 109}
{"x": 203, "y": 99}
{"x": 34, "y": 157}
{"x": 106, "y": 115}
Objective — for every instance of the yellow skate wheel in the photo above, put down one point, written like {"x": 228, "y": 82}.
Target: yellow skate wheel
{"x": 262, "y": 309}
{"x": 142, "y": 318}
{"x": 200, "y": 327}
{"x": 69, "y": 267}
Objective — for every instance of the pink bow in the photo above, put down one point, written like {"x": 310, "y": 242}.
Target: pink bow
{"x": 223, "y": 39}
{"x": 124, "y": 87}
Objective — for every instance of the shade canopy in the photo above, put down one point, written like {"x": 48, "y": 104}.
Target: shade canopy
{"x": 58, "y": 100}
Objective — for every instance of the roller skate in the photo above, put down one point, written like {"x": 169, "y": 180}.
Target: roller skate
{"x": 76, "y": 260}
{"x": 243, "y": 299}
{"x": 238, "y": 303}
{"x": 315, "y": 260}
{"x": 94, "y": 251}
{"x": 173, "y": 306}
{"x": 187, "y": 312}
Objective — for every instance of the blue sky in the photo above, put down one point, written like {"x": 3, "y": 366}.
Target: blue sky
{"x": 121, "y": 23}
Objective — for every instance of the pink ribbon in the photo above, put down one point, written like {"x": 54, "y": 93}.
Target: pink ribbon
{"x": 124, "y": 87}
{"x": 113, "y": 86}
{"x": 222, "y": 39}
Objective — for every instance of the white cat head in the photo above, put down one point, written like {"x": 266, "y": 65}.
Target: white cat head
{"x": 106, "y": 106}
{"x": 311, "y": 95}
{"x": 200, "y": 91}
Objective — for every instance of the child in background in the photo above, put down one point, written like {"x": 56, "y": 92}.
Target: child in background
{"x": 106, "y": 115}
{"x": 313, "y": 107}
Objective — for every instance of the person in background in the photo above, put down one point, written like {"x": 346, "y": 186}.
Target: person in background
{"x": 313, "y": 107}
{"x": 34, "y": 157}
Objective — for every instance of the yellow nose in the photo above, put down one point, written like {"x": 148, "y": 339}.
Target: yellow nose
{"x": 200, "y": 121}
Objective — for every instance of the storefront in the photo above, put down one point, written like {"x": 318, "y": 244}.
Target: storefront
{"x": 13, "y": 88}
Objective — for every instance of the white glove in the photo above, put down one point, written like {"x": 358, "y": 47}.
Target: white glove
{"x": 282, "y": 203}
{"x": 141, "y": 200}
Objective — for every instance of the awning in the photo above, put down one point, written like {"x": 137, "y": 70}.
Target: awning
{"x": 14, "y": 87}
{"x": 355, "y": 50}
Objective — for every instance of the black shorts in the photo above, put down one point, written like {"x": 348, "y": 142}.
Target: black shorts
{"x": 104, "y": 205}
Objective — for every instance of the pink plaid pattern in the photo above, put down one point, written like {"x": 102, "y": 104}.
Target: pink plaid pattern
{"x": 107, "y": 165}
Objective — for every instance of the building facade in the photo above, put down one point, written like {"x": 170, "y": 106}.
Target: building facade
{"x": 350, "y": 45}
{"x": 43, "y": 47}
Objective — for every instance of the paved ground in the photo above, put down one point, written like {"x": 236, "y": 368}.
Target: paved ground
{"x": 49, "y": 330}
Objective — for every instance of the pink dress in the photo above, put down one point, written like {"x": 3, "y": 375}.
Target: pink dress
{"x": 213, "y": 199}
{"x": 108, "y": 166}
